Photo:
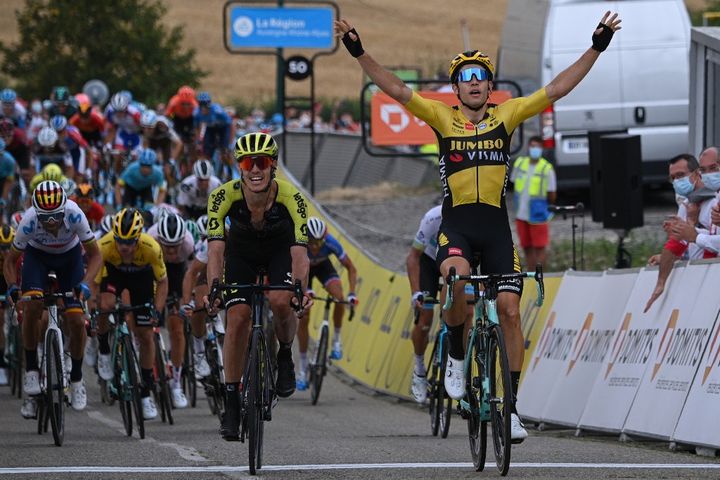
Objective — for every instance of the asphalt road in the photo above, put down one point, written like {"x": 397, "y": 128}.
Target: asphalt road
{"x": 351, "y": 433}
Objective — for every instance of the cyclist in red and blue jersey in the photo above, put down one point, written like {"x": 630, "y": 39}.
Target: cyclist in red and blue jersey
{"x": 181, "y": 110}
{"x": 123, "y": 122}
{"x": 216, "y": 123}
{"x": 89, "y": 121}
{"x": 321, "y": 245}
{"x": 75, "y": 143}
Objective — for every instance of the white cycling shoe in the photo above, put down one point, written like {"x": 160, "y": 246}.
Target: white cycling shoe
{"x": 454, "y": 381}
{"x": 104, "y": 366}
{"x": 419, "y": 387}
{"x": 31, "y": 385}
{"x": 91, "y": 351}
{"x": 517, "y": 429}
{"x": 178, "y": 398}
{"x": 78, "y": 395}
{"x": 29, "y": 408}
{"x": 202, "y": 369}
{"x": 149, "y": 409}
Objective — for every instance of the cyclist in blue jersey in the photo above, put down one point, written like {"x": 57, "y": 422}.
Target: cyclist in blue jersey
{"x": 320, "y": 246}
{"x": 7, "y": 172}
{"x": 11, "y": 109}
{"x": 216, "y": 123}
{"x": 135, "y": 185}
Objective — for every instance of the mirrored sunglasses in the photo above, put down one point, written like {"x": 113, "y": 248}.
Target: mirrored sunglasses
{"x": 467, "y": 74}
{"x": 262, "y": 162}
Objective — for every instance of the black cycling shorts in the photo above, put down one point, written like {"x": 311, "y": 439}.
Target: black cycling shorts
{"x": 324, "y": 272}
{"x": 136, "y": 198}
{"x": 491, "y": 242}
{"x": 244, "y": 269}
{"x": 141, "y": 286}
{"x": 175, "y": 273}
{"x": 429, "y": 276}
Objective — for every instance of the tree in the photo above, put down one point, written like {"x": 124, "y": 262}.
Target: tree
{"x": 122, "y": 42}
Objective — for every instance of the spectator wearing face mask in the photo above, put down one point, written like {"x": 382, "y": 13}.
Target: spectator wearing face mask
{"x": 534, "y": 181}
{"x": 695, "y": 203}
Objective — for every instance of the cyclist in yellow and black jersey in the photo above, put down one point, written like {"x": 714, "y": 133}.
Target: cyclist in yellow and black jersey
{"x": 474, "y": 141}
{"x": 268, "y": 231}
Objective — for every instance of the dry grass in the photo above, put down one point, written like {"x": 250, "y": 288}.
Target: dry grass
{"x": 398, "y": 33}
{"x": 382, "y": 191}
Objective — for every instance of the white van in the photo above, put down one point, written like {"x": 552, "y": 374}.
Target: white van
{"x": 640, "y": 83}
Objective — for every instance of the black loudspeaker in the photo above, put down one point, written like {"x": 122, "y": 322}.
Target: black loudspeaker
{"x": 621, "y": 181}
{"x": 595, "y": 157}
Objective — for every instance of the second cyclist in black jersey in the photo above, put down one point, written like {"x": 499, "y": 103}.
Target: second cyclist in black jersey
{"x": 266, "y": 229}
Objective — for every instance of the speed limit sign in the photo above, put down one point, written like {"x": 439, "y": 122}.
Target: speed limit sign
{"x": 298, "y": 67}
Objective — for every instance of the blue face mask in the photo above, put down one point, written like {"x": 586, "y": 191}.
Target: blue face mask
{"x": 535, "y": 152}
{"x": 683, "y": 186}
{"x": 712, "y": 180}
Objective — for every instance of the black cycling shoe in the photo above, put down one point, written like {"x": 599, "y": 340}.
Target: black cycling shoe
{"x": 230, "y": 428}
{"x": 285, "y": 384}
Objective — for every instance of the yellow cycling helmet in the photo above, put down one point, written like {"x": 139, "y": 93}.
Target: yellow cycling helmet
{"x": 256, "y": 143}
{"x": 7, "y": 233}
{"x": 128, "y": 224}
{"x": 52, "y": 172}
{"x": 472, "y": 56}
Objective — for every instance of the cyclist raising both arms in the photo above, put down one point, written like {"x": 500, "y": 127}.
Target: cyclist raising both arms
{"x": 50, "y": 234}
{"x": 267, "y": 231}
{"x": 474, "y": 142}
{"x": 320, "y": 246}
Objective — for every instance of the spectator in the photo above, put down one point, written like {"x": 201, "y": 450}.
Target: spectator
{"x": 686, "y": 179}
{"x": 535, "y": 186}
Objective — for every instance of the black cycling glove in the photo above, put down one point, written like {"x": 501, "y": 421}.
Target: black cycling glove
{"x": 600, "y": 41}
{"x": 353, "y": 46}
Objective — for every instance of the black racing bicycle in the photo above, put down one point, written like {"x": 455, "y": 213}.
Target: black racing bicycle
{"x": 318, "y": 367}
{"x": 258, "y": 394}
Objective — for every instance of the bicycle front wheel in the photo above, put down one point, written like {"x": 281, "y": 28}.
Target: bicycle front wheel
{"x": 477, "y": 429}
{"x": 500, "y": 398}
{"x": 254, "y": 403}
{"x": 55, "y": 387}
{"x": 318, "y": 368}
{"x": 133, "y": 384}
{"x": 444, "y": 402}
{"x": 434, "y": 378}
{"x": 189, "y": 385}
{"x": 123, "y": 390}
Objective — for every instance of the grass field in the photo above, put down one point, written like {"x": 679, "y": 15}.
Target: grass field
{"x": 419, "y": 33}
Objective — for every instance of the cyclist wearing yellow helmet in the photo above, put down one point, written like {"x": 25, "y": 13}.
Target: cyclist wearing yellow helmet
{"x": 133, "y": 262}
{"x": 474, "y": 142}
{"x": 7, "y": 233}
{"x": 267, "y": 230}
{"x": 53, "y": 172}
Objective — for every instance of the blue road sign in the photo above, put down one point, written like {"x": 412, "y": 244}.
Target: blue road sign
{"x": 281, "y": 27}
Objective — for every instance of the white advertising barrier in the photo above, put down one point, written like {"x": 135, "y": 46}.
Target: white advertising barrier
{"x": 591, "y": 347}
{"x": 633, "y": 348}
{"x": 552, "y": 354}
{"x": 688, "y": 321}
{"x": 699, "y": 422}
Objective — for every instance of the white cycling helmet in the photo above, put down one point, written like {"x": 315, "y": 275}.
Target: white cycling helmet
{"x": 120, "y": 101}
{"x": 316, "y": 228}
{"x": 47, "y": 137}
{"x": 106, "y": 223}
{"x": 203, "y": 169}
{"x": 148, "y": 119}
{"x": 172, "y": 229}
{"x": 202, "y": 223}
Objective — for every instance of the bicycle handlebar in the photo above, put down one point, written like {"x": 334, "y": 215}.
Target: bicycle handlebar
{"x": 341, "y": 302}
{"x": 217, "y": 287}
{"x": 46, "y": 296}
{"x": 494, "y": 278}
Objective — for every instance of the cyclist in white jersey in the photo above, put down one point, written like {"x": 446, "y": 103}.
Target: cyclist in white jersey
{"x": 50, "y": 234}
{"x": 195, "y": 190}
{"x": 423, "y": 275}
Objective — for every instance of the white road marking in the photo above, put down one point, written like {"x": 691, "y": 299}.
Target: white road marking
{"x": 348, "y": 466}
{"x": 186, "y": 453}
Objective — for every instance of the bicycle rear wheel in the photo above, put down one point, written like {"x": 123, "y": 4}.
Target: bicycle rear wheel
{"x": 254, "y": 403}
{"x": 434, "y": 379}
{"x": 55, "y": 385}
{"x": 477, "y": 429}
{"x": 162, "y": 387}
{"x": 133, "y": 383}
{"x": 444, "y": 402}
{"x": 500, "y": 398}
{"x": 189, "y": 382}
{"x": 317, "y": 370}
